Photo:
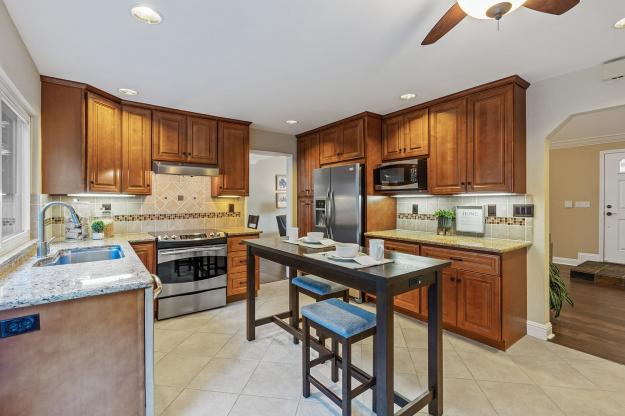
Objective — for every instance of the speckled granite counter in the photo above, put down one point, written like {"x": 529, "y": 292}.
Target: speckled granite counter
{"x": 28, "y": 285}
{"x": 239, "y": 231}
{"x": 492, "y": 245}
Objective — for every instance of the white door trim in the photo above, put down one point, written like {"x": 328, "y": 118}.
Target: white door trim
{"x": 602, "y": 155}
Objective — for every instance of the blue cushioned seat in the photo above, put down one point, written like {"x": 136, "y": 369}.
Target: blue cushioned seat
{"x": 317, "y": 285}
{"x": 340, "y": 317}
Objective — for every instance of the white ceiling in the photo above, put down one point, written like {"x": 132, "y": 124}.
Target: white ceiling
{"x": 313, "y": 61}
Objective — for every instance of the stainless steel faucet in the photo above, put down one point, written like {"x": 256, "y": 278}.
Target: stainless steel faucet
{"x": 43, "y": 247}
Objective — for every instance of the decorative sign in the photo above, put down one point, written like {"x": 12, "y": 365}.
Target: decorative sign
{"x": 470, "y": 219}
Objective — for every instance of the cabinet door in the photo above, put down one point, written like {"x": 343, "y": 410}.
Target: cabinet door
{"x": 305, "y": 214}
{"x": 409, "y": 300}
{"x": 201, "y": 140}
{"x": 392, "y": 138}
{"x": 448, "y": 142}
{"x": 104, "y": 141}
{"x": 490, "y": 164}
{"x": 479, "y": 304}
{"x": 307, "y": 161}
{"x": 450, "y": 296}
{"x": 416, "y": 133}
{"x": 169, "y": 136}
{"x": 329, "y": 145}
{"x": 147, "y": 254}
{"x": 234, "y": 149}
{"x": 136, "y": 150}
{"x": 352, "y": 140}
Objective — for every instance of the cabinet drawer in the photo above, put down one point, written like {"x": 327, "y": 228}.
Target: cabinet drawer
{"x": 237, "y": 283}
{"x": 401, "y": 247}
{"x": 234, "y": 243}
{"x": 237, "y": 263}
{"x": 465, "y": 260}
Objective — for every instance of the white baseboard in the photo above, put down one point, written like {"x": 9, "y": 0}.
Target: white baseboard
{"x": 540, "y": 331}
{"x": 589, "y": 257}
{"x": 566, "y": 261}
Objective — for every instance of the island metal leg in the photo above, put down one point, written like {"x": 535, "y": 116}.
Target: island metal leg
{"x": 384, "y": 391}
{"x": 435, "y": 345}
{"x": 251, "y": 295}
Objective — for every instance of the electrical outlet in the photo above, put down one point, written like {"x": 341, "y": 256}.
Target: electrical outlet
{"x": 18, "y": 326}
{"x": 230, "y": 207}
{"x": 180, "y": 197}
{"x": 523, "y": 210}
{"x": 415, "y": 208}
{"x": 492, "y": 210}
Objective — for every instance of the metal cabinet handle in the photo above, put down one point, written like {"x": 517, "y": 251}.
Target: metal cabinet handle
{"x": 158, "y": 285}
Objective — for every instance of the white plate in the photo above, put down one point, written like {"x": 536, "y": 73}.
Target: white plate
{"x": 306, "y": 240}
{"x": 339, "y": 258}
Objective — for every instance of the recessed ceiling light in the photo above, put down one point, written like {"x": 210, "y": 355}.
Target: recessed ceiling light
{"x": 291, "y": 122}
{"x": 127, "y": 91}
{"x": 407, "y": 97}
{"x": 620, "y": 24}
{"x": 146, "y": 14}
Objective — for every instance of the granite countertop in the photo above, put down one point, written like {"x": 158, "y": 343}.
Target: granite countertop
{"x": 239, "y": 231}
{"x": 29, "y": 286}
{"x": 492, "y": 245}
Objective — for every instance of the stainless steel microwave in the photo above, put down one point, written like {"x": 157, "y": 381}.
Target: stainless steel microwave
{"x": 405, "y": 175}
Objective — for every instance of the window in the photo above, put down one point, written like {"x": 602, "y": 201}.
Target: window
{"x": 14, "y": 174}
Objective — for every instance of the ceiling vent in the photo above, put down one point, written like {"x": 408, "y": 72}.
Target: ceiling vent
{"x": 614, "y": 69}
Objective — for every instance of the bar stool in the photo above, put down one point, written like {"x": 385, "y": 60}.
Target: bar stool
{"x": 347, "y": 324}
{"x": 317, "y": 288}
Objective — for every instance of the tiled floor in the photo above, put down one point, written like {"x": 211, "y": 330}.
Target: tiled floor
{"x": 206, "y": 367}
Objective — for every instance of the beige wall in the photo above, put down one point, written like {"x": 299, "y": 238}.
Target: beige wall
{"x": 574, "y": 176}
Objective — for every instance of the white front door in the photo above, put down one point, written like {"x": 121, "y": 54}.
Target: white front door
{"x": 614, "y": 207}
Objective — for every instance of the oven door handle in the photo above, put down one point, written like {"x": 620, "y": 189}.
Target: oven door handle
{"x": 189, "y": 250}
{"x": 165, "y": 256}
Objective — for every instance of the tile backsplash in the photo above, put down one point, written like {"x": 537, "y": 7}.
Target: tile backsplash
{"x": 176, "y": 203}
{"x": 503, "y": 225}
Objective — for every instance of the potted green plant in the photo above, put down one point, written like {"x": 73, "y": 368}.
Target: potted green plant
{"x": 558, "y": 293}
{"x": 445, "y": 220}
{"x": 98, "y": 230}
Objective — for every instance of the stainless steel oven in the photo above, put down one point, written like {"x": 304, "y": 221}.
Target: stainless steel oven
{"x": 402, "y": 176}
{"x": 193, "y": 268}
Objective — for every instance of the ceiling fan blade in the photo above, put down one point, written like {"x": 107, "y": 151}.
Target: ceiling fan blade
{"x": 557, "y": 7}
{"x": 445, "y": 24}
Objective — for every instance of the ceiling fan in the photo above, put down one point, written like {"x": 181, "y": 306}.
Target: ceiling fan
{"x": 492, "y": 9}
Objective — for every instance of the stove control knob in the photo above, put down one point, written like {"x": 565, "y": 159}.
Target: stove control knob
{"x": 174, "y": 237}
{"x": 163, "y": 237}
{"x": 212, "y": 234}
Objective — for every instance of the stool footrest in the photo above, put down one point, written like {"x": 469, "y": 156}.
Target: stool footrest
{"x": 329, "y": 393}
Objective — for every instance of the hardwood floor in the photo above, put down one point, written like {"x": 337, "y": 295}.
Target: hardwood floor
{"x": 596, "y": 325}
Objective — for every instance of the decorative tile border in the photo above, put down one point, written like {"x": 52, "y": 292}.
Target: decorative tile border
{"x": 158, "y": 217}
{"x": 520, "y": 221}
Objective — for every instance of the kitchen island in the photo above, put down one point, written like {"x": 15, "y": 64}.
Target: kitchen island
{"x": 405, "y": 273}
{"x": 78, "y": 338}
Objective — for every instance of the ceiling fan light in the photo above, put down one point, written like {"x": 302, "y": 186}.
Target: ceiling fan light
{"x": 479, "y": 8}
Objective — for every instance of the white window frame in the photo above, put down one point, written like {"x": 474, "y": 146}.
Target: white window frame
{"x": 25, "y": 162}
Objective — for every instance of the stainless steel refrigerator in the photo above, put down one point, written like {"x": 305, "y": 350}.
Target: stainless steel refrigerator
{"x": 338, "y": 199}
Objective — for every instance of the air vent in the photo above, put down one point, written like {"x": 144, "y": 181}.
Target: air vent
{"x": 614, "y": 69}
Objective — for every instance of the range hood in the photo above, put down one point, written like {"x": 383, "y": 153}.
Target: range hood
{"x": 187, "y": 169}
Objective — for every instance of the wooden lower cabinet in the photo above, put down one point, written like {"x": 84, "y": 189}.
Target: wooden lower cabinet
{"x": 305, "y": 215}
{"x": 237, "y": 268}
{"x": 88, "y": 357}
{"x": 147, "y": 254}
{"x": 484, "y": 294}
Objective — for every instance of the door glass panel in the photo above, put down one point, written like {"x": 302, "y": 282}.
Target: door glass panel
{"x": 192, "y": 269}
{"x": 621, "y": 166}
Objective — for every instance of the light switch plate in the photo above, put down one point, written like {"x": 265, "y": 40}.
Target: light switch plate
{"x": 582, "y": 204}
{"x": 568, "y": 204}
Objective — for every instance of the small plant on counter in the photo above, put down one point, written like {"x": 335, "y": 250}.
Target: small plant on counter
{"x": 98, "y": 230}
{"x": 558, "y": 293}
{"x": 445, "y": 220}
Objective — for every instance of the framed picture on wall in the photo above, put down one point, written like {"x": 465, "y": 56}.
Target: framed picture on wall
{"x": 281, "y": 200}
{"x": 281, "y": 183}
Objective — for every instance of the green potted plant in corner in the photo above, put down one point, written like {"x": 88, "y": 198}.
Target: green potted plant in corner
{"x": 558, "y": 293}
{"x": 445, "y": 219}
{"x": 98, "y": 230}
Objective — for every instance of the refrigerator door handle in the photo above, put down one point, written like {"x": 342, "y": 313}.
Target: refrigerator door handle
{"x": 332, "y": 212}
{"x": 328, "y": 213}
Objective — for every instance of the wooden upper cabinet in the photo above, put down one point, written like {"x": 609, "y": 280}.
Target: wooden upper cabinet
{"x": 104, "y": 145}
{"x": 352, "y": 139}
{"x": 448, "y": 147}
{"x": 201, "y": 141}
{"x": 416, "y": 133}
{"x": 136, "y": 150}
{"x": 393, "y": 138}
{"x": 305, "y": 215}
{"x": 406, "y": 136}
{"x": 169, "y": 136}
{"x": 307, "y": 162}
{"x": 491, "y": 144}
{"x": 234, "y": 149}
{"x": 329, "y": 145}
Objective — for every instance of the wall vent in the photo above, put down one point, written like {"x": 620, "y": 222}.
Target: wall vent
{"x": 614, "y": 69}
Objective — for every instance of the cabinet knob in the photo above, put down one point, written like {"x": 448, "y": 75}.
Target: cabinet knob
{"x": 148, "y": 185}
{"x": 462, "y": 183}
{"x": 91, "y": 182}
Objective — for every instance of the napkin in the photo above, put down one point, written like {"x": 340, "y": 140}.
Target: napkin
{"x": 367, "y": 260}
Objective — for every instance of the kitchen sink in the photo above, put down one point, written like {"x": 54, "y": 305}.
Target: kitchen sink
{"x": 82, "y": 255}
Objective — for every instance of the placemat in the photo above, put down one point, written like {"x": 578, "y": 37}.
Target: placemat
{"x": 300, "y": 242}
{"x": 347, "y": 264}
